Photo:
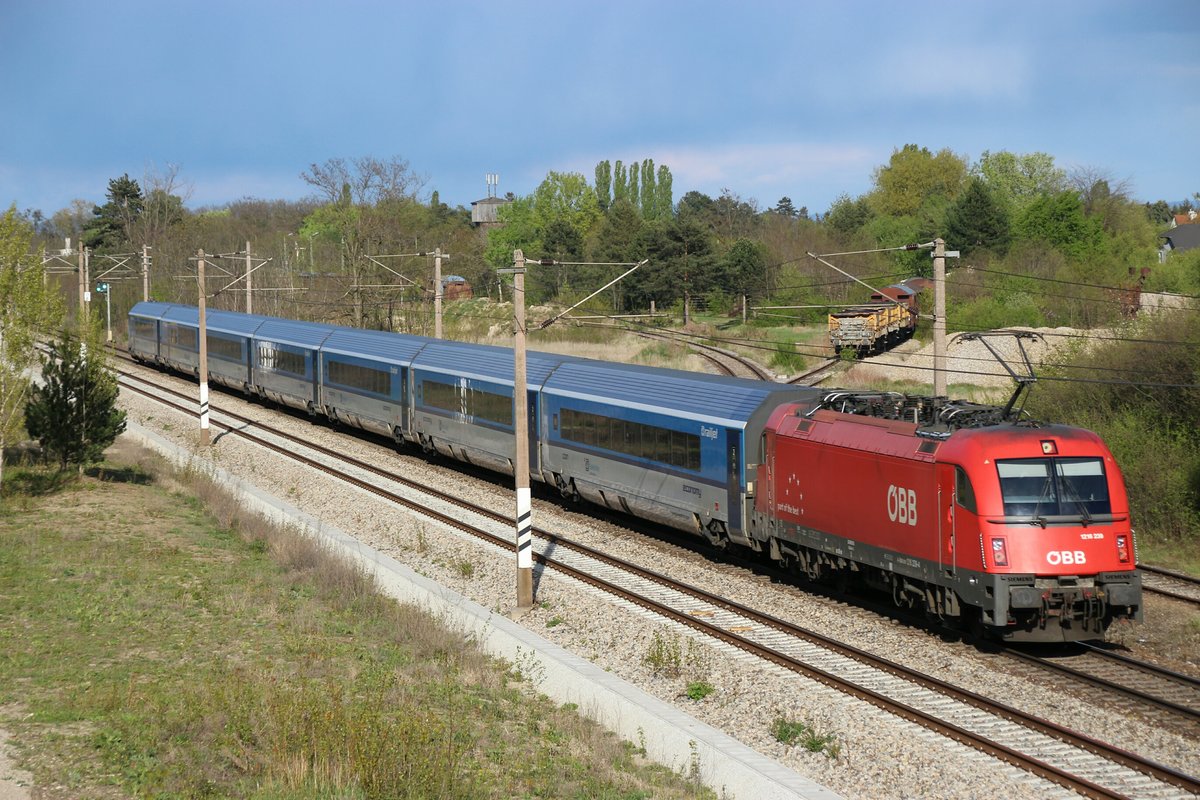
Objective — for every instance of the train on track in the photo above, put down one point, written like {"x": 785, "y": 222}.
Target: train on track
{"x": 871, "y": 328}
{"x": 1013, "y": 529}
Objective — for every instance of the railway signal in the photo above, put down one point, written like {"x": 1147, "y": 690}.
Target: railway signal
{"x": 102, "y": 288}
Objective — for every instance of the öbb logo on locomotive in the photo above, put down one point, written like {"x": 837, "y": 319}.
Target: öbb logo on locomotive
{"x": 1008, "y": 542}
{"x": 902, "y": 505}
{"x": 1066, "y": 557}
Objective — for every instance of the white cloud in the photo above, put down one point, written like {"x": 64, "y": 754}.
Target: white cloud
{"x": 932, "y": 70}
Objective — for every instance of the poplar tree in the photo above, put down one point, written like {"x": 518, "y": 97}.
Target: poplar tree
{"x": 665, "y": 203}
{"x": 649, "y": 197}
{"x": 604, "y": 184}
{"x": 620, "y": 183}
{"x": 27, "y": 308}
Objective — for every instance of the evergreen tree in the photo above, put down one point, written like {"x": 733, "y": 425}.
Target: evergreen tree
{"x": 977, "y": 220}
{"x": 784, "y": 208}
{"x": 113, "y": 222}
{"x": 73, "y": 413}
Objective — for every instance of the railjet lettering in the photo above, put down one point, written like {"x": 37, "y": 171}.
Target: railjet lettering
{"x": 1066, "y": 557}
{"x": 708, "y": 433}
{"x": 902, "y": 505}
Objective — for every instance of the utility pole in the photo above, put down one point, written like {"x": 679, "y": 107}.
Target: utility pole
{"x": 524, "y": 521}
{"x": 146, "y": 273}
{"x": 437, "y": 293}
{"x": 249, "y": 269}
{"x": 202, "y": 371}
{"x": 82, "y": 287}
{"x": 939, "y": 317}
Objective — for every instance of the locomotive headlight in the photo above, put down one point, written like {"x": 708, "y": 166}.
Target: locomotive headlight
{"x": 999, "y": 552}
{"x": 1123, "y": 548}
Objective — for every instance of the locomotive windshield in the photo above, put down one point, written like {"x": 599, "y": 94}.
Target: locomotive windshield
{"x": 1051, "y": 487}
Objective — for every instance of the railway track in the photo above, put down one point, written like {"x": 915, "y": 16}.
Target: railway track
{"x": 1166, "y": 583}
{"x": 1139, "y": 685}
{"x": 1083, "y": 764}
{"x": 817, "y": 374}
{"x": 726, "y": 362}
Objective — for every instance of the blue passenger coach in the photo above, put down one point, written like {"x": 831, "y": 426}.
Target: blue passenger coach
{"x": 463, "y": 402}
{"x": 365, "y": 379}
{"x": 666, "y": 445}
{"x": 285, "y": 361}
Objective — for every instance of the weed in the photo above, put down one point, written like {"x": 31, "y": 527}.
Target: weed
{"x": 698, "y": 690}
{"x": 665, "y": 656}
{"x": 793, "y": 733}
{"x": 465, "y": 568}
{"x": 529, "y": 667}
{"x": 554, "y": 622}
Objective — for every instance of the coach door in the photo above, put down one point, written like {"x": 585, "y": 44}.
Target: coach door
{"x": 946, "y": 518}
{"x": 535, "y": 433}
{"x": 733, "y": 438}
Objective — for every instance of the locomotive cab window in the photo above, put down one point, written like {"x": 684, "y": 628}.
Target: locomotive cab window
{"x": 1043, "y": 487}
{"x": 964, "y": 494}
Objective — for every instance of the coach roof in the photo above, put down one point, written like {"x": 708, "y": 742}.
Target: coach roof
{"x": 727, "y": 401}
{"x": 390, "y": 347}
{"x": 299, "y": 334}
{"x": 487, "y": 362}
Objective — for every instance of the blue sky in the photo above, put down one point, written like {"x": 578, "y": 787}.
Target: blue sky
{"x": 765, "y": 98}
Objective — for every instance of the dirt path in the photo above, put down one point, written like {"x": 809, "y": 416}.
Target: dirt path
{"x": 15, "y": 784}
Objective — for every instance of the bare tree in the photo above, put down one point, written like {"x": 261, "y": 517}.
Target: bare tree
{"x": 70, "y": 221}
{"x": 369, "y": 180}
{"x": 1102, "y": 195}
{"x": 164, "y": 198}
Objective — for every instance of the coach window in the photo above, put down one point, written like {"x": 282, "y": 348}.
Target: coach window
{"x": 963, "y": 493}
{"x": 221, "y": 347}
{"x": 289, "y": 362}
{"x": 491, "y": 406}
{"x": 442, "y": 395}
{"x": 182, "y": 337}
{"x": 356, "y": 376}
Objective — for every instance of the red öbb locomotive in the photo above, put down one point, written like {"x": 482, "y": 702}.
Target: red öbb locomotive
{"x": 1016, "y": 529}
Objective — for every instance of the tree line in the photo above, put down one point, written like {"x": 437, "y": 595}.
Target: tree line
{"x": 1019, "y": 216}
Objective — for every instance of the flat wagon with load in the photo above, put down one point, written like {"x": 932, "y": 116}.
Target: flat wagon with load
{"x": 888, "y": 319}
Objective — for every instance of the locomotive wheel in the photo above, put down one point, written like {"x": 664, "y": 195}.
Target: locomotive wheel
{"x": 971, "y": 623}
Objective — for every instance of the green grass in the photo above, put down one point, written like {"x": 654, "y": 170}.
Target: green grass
{"x": 148, "y": 649}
